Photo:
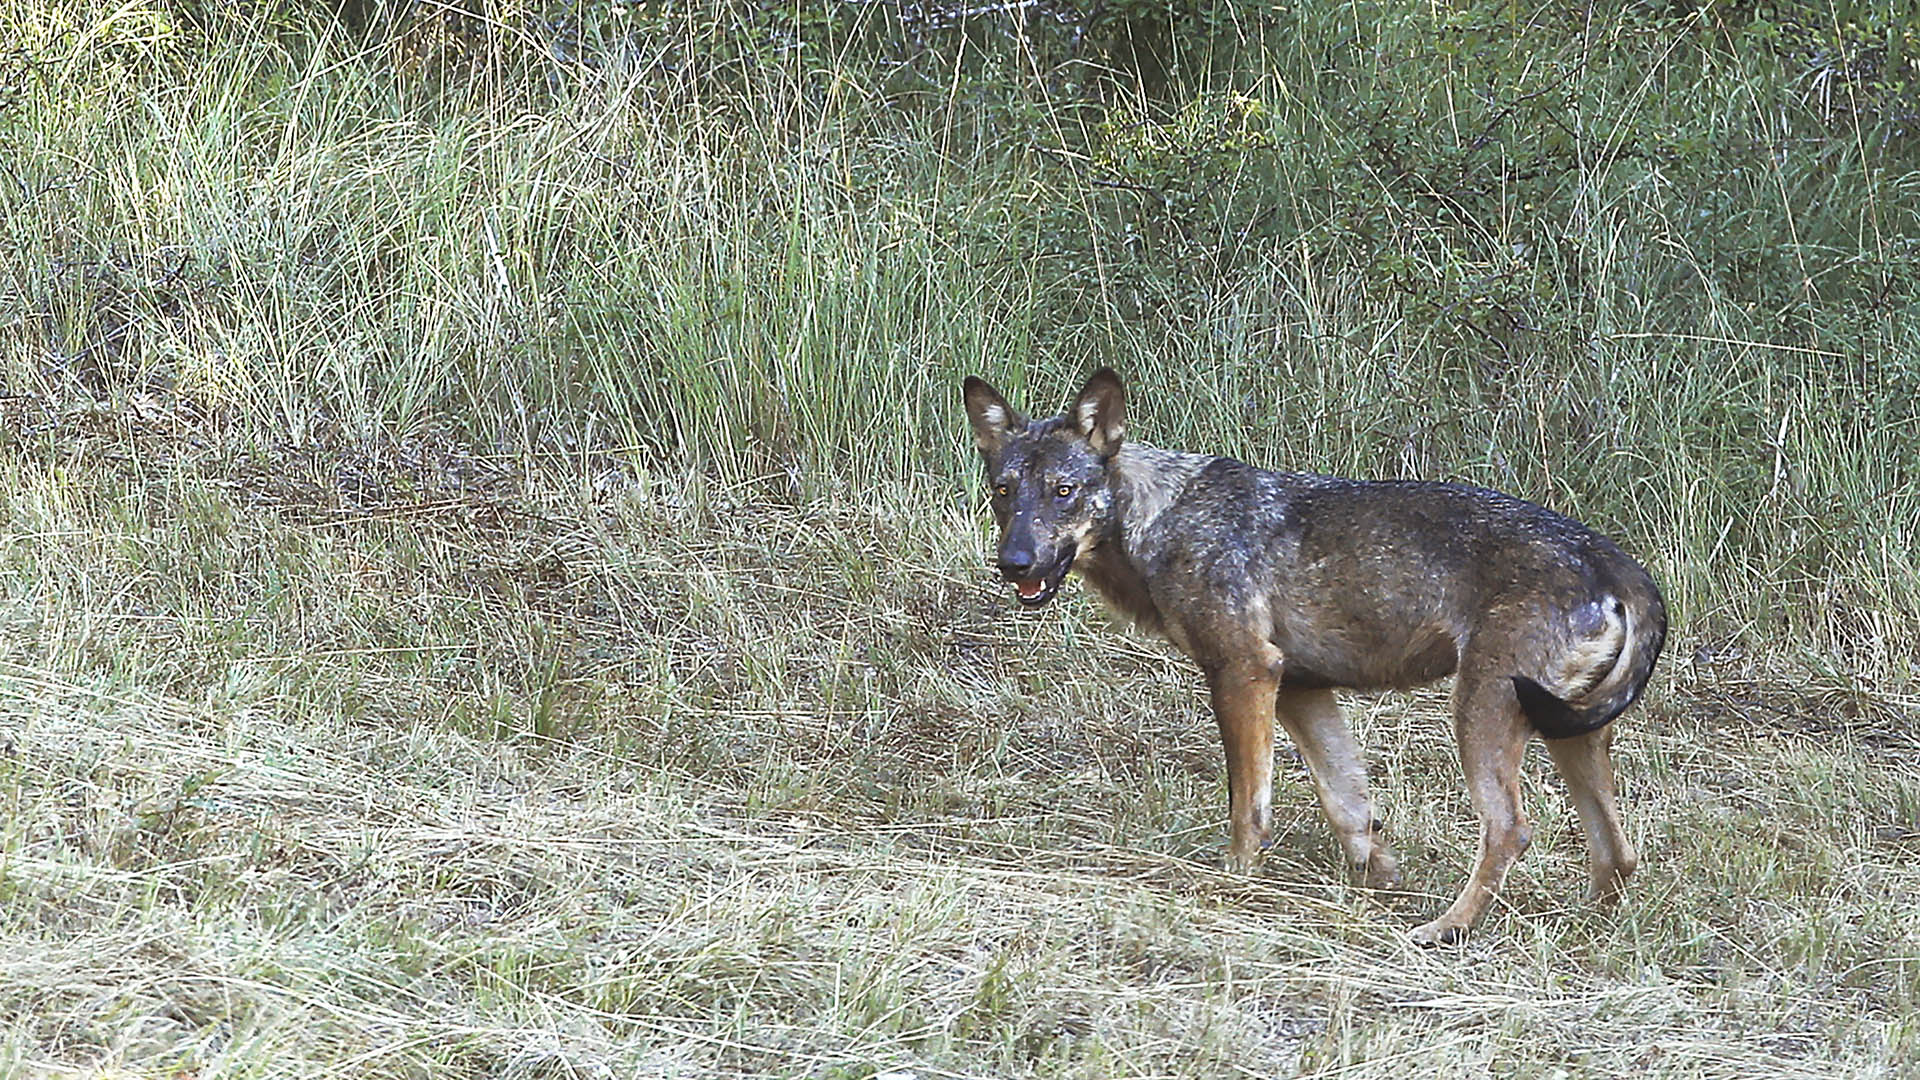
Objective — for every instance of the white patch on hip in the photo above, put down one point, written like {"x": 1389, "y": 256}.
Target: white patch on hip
{"x": 1598, "y": 654}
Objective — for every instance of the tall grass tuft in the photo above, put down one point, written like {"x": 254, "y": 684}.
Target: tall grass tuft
{"x": 490, "y": 561}
{"x": 1617, "y": 263}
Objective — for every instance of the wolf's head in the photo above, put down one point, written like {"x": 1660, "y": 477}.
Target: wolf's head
{"x": 1049, "y": 480}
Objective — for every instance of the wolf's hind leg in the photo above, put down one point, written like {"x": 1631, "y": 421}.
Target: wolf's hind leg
{"x": 1493, "y": 734}
{"x": 1586, "y": 764}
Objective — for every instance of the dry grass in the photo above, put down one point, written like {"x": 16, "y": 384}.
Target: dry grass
{"x": 333, "y": 746}
{"x": 403, "y": 763}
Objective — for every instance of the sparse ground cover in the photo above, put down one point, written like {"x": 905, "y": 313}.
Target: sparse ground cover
{"x": 491, "y": 585}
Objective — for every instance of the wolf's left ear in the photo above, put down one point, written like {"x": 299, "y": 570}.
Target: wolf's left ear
{"x": 1099, "y": 414}
{"x": 994, "y": 421}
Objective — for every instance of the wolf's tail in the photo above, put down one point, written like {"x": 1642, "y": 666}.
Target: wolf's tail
{"x": 1604, "y": 674}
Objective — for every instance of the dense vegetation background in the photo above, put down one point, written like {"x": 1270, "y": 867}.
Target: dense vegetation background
{"x": 489, "y": 580}
{"x": 1654, "y": 262}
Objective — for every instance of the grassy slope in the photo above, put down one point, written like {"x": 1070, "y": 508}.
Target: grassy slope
{"x": 331, "y": 745}
{"x": 373, "y": 783}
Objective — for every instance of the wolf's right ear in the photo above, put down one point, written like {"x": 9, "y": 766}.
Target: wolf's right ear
{"x": 994, "y": 421}
{"x": 1099, "y": 413}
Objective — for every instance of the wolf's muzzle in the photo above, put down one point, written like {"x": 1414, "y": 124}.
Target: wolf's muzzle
{"x": 1035, "y": 581}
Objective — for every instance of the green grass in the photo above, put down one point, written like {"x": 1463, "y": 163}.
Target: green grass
{"x": 491, "y": 574}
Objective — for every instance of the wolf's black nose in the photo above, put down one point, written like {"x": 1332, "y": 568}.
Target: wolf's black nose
{"x": 1016, "y": 565}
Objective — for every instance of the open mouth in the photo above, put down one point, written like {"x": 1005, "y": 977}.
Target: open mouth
{"x": 1033, "y": 592}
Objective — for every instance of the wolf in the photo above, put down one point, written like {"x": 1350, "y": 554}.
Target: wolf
{"x": 1284, "y": 587}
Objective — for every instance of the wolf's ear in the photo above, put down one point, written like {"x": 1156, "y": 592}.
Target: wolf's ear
{"x": 994, "y": 421}
{"x": 1099, "y": 414}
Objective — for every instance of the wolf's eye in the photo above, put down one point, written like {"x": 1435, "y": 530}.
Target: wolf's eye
{"x": 1001, "y": 490}
{"x": 1063, "y": 490}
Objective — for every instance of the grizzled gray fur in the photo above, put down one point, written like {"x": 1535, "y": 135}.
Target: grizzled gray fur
{"x": 1283, "y": 587}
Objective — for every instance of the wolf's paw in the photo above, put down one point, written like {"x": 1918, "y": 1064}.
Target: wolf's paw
{"x": 1244, "y": 858}
{"x": 1379, "y": 874}
{"x": 1380, "y": 870}
{"x": 1441, "y": 931}
{"x": 1240, "y": 864}
{"x": 1607, "y": 884}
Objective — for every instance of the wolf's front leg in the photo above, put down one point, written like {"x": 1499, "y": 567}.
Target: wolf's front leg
{"x": 1339, "y": 770}
{"x": 1243, "y": 703}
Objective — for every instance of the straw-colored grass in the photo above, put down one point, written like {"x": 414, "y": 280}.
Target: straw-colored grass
{"x": 595, "y": 778}
{"x": 492, "y": 580}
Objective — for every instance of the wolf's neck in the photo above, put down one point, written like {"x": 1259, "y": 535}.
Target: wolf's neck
{"x": 1146, "y": 481}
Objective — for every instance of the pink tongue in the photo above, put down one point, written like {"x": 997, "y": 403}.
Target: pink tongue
{"x": 1030, "y": 589}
